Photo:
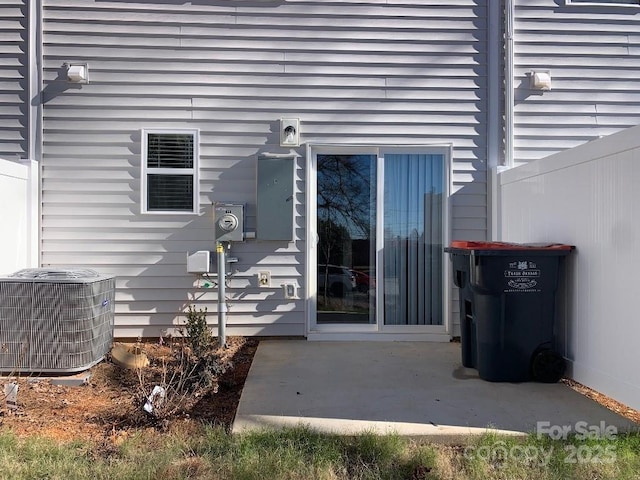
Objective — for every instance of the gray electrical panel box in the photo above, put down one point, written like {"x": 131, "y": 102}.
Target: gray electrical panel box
{"x": 229, "y": 222}
{"x": 274, "y": 206}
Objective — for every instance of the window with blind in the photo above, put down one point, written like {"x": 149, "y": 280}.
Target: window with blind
{"x": 170, "y": 171}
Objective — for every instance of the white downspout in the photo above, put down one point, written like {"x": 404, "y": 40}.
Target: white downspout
{"x": 34, "y": 86}
{"x": 34, "y": 143}
{"x": 494, "y": 116}
{"x": 495, "y": 191}
{"x": 509, "y": 15}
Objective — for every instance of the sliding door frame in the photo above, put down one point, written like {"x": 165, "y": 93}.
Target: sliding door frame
{"x": 377, "y": 331}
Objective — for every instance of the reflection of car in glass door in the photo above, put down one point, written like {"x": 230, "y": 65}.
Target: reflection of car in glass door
{"x": 336, "y": 280}
{"x": 364, "y": 282}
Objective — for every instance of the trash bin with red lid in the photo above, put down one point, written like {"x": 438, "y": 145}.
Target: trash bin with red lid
{"x": 507, "y": 295}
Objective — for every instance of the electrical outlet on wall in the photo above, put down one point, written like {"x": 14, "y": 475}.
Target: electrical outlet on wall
{"x": 264, "y": 278}
{"x": 289, "y": 291}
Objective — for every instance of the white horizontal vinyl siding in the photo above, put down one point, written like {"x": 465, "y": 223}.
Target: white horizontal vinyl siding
{"x": 371, "y": 72}
{"x": 593, "y": 54}
{"x": 14, "y": 64}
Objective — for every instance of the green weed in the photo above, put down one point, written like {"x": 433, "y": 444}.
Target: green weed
{"x": 301, "y": 453}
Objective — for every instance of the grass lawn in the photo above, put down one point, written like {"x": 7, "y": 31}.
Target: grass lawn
{"x": 303, "y": 454}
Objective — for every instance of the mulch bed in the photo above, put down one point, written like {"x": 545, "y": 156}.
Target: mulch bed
{"x": 109, "y": 407}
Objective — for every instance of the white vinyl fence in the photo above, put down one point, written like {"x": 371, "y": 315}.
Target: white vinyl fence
{"x": 588, "y": 196}
{"x": 18, "y": 215}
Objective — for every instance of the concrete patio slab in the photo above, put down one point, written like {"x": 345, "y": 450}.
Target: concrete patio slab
{"x": 411, "y": 388}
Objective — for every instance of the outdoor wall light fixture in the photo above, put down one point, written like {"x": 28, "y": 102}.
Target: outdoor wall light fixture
{"x": 289, "y": 132}
{"x": 540, "y": 80}
{"x": 78, "y": 72}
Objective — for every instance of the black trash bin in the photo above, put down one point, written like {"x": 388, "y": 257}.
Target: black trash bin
{"x": 507, "y": 295}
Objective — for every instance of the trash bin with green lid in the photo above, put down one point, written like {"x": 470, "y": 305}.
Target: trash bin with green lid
{"x": 507, "y": 308}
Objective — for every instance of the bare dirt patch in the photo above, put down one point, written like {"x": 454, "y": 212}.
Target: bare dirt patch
{"x": 109, "y": 406}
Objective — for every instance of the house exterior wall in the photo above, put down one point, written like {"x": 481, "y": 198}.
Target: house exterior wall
{"x": 14, "y": 91}
{"x": 372, "y": 72}
{"x": 588, "y": 196}
{"x": 593, "y": 55}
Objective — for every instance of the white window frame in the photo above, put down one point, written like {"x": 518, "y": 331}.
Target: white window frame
{"x": 194, "y": 172}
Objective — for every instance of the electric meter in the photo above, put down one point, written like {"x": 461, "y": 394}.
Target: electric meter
{"x": 229, "y": 222}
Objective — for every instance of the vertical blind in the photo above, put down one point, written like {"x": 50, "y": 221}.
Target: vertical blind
{"x": 413, "y": 236}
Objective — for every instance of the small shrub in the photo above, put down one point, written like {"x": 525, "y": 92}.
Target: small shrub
{"x": 197, "y": 332}
{"x": 190, "y": 372}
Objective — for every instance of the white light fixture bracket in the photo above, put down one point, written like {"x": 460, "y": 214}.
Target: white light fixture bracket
{"x": 77, "y": 73}
{"x": 289, "y": 132}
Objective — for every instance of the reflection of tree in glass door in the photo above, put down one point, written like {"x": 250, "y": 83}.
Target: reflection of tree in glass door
{"x": 346, "y": 206}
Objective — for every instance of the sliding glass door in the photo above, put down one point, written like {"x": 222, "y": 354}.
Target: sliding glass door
{"x": 379, "y": 223}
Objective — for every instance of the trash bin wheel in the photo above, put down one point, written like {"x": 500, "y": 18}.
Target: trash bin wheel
{"x": 547, "y": 366}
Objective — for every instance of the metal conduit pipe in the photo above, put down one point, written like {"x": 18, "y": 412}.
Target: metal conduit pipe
{"x": 222, "y": 298}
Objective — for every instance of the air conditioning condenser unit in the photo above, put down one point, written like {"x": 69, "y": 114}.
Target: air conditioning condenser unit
{"x": 55, "y": 320}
